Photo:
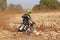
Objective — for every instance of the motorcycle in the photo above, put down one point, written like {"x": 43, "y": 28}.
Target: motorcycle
{"x": 28, "y": 29}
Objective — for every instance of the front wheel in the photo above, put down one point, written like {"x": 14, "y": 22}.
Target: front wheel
{"x": 21, "y": 28}
{"x": 29, "y": 30}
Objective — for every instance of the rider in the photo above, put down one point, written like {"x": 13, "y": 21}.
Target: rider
{"x": 26, "y": 17}
{"x": 26, "y": 20}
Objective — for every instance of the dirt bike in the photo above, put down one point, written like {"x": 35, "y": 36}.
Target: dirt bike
{"x": 28, "y": 29}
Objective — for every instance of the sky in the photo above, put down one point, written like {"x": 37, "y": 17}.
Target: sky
{"x": 26, "y": 4}
{"x": 59, "y": 0}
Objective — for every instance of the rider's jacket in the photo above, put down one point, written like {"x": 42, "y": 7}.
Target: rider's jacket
{"x": 26, "y": 17}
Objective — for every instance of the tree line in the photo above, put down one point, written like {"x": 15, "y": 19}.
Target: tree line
{"x": 47, "y": 5}
{"x": 3, "y": 6}
{"x": 15, "y": 6}
{"x": 43, "y": 4}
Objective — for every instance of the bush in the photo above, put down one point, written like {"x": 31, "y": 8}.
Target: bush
{"x": 3, "y": 5}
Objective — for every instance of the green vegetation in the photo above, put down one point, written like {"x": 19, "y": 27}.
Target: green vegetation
{"x": 47, "y": 5}
{"x": 3, "y": 5}
{"x": 36, "y": 7}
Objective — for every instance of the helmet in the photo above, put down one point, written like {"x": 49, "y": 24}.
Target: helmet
{"x": 28, "y": 11}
